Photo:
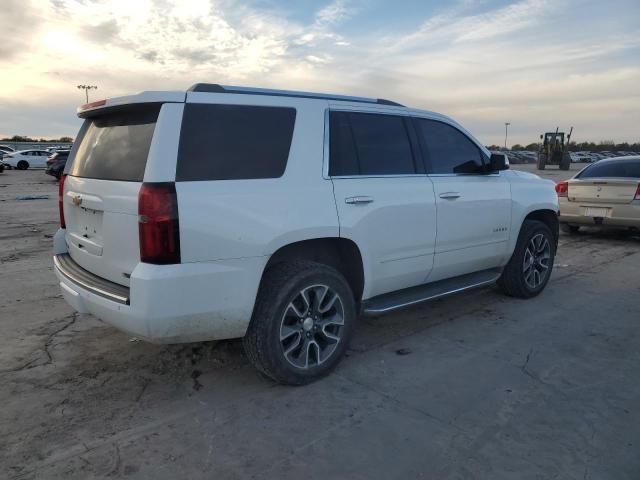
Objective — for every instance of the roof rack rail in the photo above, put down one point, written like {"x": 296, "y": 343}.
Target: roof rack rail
{"x": 216, "y": 88}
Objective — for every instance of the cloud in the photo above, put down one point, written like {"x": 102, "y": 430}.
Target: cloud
{"x": 333, "y": 13}
{"x": 529, "y": 62}
{"x": 103, "y": 33}
{"x": 16, "y": 16}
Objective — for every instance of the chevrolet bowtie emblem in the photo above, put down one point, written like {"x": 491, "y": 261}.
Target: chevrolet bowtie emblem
{"x": 77, "y": 200}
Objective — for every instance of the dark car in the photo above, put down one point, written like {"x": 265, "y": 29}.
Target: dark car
{"x": 56, "y": 163}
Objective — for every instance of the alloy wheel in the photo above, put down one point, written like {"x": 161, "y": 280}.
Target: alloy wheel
{"x": 312, "y": 326}
{"x": 535, "y": 265}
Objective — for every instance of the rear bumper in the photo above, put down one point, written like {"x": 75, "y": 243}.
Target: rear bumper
{"x": 169, "y": 303}
{"x": 73, "y": 272}
{"x": 621, "y": 215}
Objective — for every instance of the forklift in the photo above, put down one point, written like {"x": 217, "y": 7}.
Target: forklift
{"x": 554, "y": 150}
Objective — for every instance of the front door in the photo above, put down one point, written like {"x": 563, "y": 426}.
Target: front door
{"x": 473, "y": 207}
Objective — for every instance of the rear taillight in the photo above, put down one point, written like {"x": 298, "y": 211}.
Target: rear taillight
{"x": 158, "y": 223}
{"x": 637, "y": 195}
{"x": 562, "y": 189}
{"x": 60, "y": 200}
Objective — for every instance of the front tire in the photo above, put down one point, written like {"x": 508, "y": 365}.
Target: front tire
{"x": 22, "y": 165}
{"x": 530, "y": 266}
{"x": 542, "y": 161}
{"x": 302, "y": 322}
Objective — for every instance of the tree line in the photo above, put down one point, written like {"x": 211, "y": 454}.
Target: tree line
{"x": 603, "y": 146}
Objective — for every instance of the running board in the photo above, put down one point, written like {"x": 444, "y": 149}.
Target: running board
{"x": 430, "y": 291}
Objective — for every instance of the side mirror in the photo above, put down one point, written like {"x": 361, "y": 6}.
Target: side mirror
{"x": 498, "y": 161}
{"x": 541, "y": 137}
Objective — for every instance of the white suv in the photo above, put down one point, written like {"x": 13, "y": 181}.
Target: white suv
{"x": 280, "y": 216}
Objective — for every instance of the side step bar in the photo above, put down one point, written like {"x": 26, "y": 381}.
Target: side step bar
{"x": 430, "y": 291}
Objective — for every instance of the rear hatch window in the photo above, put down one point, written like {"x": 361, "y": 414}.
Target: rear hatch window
{"x": 115, "y": 145}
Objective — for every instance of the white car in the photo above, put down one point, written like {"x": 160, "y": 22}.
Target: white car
{"x": 280, "y": 216}
{"x": 24, "y": 159}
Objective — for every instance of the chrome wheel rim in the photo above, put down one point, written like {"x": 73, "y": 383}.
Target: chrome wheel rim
{"x": 536, "y": 263}
{"x": 312, "y": 326}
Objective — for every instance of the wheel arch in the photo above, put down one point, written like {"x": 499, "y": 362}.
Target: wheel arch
{"x": 548, "y": 217}
{"x": 337, "y": 252}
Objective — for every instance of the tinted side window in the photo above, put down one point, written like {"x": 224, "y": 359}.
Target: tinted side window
{"x": 343, "y": 157}
{"x": 620, "y": 168}
{"x": 369, "y": 144}
{"x": 447, "y": 149}
{"x": 228, "y": 142}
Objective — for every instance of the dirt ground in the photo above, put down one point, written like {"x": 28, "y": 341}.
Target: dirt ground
{"x": 473, "y": 386}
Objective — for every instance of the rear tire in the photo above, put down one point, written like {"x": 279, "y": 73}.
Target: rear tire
{"x": 302, "y": 322}
{"x": 530, "y": 266}
{"x": 22, "y": 165}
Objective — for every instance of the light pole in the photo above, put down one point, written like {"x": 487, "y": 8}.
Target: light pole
{"x": 86, "y": 89}
{"x": 506, "y": 131}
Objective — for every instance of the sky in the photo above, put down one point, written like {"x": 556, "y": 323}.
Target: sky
{"x": 538, "y": 64}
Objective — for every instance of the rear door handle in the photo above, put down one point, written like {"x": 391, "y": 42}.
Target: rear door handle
{"x": 450, "y": 195}
{"x": 357, "y": 200}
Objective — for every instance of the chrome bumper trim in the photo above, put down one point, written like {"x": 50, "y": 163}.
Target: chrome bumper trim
{"x": 87, "y": 280}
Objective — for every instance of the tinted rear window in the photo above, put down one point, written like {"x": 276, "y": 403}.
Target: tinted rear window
{"x": 618, "y": 168}
{"x": 115, "y": 146}
{"x": 369, "y": 144}
{"x": 230, "y": 142}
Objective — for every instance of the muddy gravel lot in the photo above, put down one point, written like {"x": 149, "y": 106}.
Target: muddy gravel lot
{"x": 473, "y": 386}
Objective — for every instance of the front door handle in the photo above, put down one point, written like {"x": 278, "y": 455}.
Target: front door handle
{"x": 357, "y": 200}
{"x": 450, "y": 195}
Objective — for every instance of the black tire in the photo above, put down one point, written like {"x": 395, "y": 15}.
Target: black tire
{"x": 569, "y": 228}
{"x": 281, "y": 285}
{"x": 513, "y": 281}
{"x": 1, "y": 168}
{"x": 542, "y": 161}
{"x": 565, "y": 162}
{"x": 22, "y": 165}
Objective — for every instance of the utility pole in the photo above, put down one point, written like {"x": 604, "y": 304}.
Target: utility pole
{"x": 86, "y": 89}
{"x": 506, "y": 132}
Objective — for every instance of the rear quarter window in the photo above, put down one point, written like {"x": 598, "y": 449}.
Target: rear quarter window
{"x": 115, "y": 146}
{"x": 232, "y": 142}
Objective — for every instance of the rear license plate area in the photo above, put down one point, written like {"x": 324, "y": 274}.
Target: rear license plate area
{"x": 596, "y": 212}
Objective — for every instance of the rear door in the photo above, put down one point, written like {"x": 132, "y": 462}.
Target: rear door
{"x": 473, "y": 207}
{"x": 385, "y": 201}
{"x": 101, "y": 190}
{"x": 39, "y": 159}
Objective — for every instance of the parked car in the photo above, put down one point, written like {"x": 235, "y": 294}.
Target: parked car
{"x": 605, "y": 193}
{"x": 26, "y": 159}
{"x": 4, "y": 149}
{"x": 303, "y": 211}
{"x": 56, "y": 163}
